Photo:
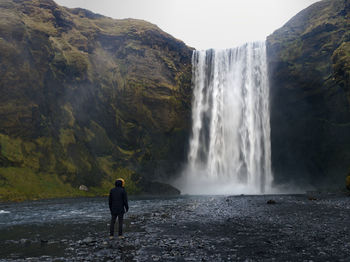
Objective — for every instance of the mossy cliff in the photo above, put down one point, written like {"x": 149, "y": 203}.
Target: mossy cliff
{"x": 309, "y": 62}
{"x": 85, "y": 99}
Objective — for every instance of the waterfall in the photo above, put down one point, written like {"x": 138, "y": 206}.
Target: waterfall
{"x": 230, "y": 150}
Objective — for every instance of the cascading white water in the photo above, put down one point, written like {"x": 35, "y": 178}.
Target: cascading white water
{"x": 230, "y": 149}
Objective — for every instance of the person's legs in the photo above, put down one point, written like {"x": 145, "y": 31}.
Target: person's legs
{"x": 120, "y": 225}
{"x": 111, "y": 228}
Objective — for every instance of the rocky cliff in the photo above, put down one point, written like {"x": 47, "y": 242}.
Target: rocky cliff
{"x": 309, "y": 61}
{"x": 85, "y": 99}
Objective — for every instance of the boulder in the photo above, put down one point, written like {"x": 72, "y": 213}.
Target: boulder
{"x": 157, "y": 188}
{"x": 83, "y": 188}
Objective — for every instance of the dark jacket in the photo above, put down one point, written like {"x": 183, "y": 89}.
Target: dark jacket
{"x": 118, "y": 201}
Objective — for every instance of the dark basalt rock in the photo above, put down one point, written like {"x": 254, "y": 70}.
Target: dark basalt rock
{"x": 158, "y": 188}
{"x": 310, "y": 106}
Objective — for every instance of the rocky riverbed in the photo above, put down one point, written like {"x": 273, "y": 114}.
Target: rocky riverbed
{"x": 220, "y": 228}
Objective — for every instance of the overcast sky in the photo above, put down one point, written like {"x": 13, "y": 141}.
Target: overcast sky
{"x": 203, "y": 24}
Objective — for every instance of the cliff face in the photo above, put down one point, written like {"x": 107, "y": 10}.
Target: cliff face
{"x": 85, "y": 99}
{"x": 309, "y": 61}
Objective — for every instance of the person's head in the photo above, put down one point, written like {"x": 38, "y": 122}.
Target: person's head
{"x": 123, "y": 182}
{"x": 118, "y": 183}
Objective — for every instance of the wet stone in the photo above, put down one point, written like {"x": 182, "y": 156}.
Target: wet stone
{"x": 241, "y": 229}
{"x": 88, "y": 240}
{"x": 24, "y": 241}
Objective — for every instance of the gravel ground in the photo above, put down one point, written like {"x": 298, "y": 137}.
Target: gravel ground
{"x": 235, "y": 228}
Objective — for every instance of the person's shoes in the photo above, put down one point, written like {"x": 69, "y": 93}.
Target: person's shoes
{"x": 111, "y": 237}
{"x": 121, "y": 237}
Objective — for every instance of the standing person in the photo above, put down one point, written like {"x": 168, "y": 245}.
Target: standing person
{"x": 118, "y": 205}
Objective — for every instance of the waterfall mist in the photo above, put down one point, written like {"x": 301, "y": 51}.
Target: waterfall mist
{"x": 230, "y": 149}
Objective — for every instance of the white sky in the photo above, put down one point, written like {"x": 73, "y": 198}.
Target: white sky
{"x": 203, "y": 24}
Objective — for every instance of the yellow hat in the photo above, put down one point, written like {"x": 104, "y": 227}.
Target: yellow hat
{"x": 123, "y": 182}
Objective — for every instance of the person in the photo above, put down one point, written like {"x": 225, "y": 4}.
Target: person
{"x": 118, "y": 205}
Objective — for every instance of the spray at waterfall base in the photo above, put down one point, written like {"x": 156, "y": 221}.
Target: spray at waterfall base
{"x": 230, "y": 147}
{"x": 200, "y": 182}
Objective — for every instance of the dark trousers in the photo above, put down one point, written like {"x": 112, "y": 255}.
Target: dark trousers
{"x": 120, "y": 224}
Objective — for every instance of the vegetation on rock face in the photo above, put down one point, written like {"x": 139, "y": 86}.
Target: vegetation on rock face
{"x": 309, "y": 62}
{"x": 86, "y": 99}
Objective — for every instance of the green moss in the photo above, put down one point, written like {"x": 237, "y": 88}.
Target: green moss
{"x": 22, "y": 184}
{"x": 40, "y": 24}
{"x": 169, "y": 62}
{"x": 70, "y": 116}
{"x": 69, "y": 166}
{"x": 126, "y": 152}
{"x": 293, "y": 51}
{"x": 66, "y": 137}
{"x": 90, "y": 135}
{"x": 86, "y": 95}
{"x": 11, "y": 148}
{"x": 77, "y": 63}
{"x": 7, "y": 50}
{"x": 108, "y": 166}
